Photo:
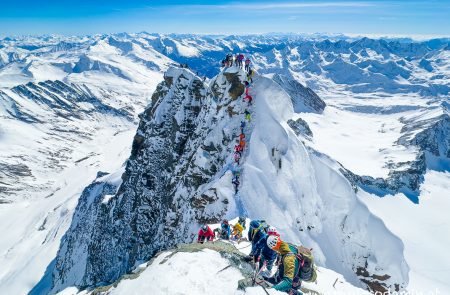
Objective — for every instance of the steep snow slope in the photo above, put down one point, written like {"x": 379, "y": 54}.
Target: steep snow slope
{"x": 309, "y": 200}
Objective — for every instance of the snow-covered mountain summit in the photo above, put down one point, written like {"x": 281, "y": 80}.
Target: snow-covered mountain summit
{"x": 179, "y": 176}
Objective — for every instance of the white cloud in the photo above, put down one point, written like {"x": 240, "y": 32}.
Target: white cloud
{"x": 288, "y": 5}
{"x": 274, "y": 6}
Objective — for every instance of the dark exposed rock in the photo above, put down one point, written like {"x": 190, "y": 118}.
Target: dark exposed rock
{"x": 101, "y": 174}
{"x": 300, "y": 127}
{"x": 236, "y": 88}
{"x": 374, "y": 283}
{"x": 406, "y": 181}
{"x": 303, "y": 98}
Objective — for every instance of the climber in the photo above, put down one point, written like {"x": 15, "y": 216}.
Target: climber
{"x": 241, "y": 60}
{"x": 256, "y": 232}
{"x": 262, "y": 253}
{"x": 296, "y": 264}
{"x": 205, "y": 233}
{"x": 236, "y": 60}
{"x": 242, "y": 143}
{"x": 237, "y": 157}
{"x": 249, "y": 99}
{"x": 250, "y": 75}
{"x": 242, "y": 126}
{"x": 238, "y": 148}
{"x": 237, "y": 231}
{"x": 246, "y": 89}
{"x": 227, "y": 60}
{"x": 255, "y": 227}
{"x": 247, "y": 64}
{"x": 235, "y": 182}
{"x": 230, "y": 59}
{"x": 248, "y": 117}
{"x": 223, "y": 63}
{"x": 225, "y": 231}
{"x": 241, "y": 136}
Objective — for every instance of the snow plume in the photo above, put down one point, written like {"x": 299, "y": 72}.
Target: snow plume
{"x": 179, "y": 176}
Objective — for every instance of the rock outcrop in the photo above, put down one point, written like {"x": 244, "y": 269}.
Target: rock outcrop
{"x": 173, "y": 180}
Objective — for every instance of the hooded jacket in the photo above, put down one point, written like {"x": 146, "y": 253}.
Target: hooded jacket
{"x": 288, "y": 268}
{"x": 208, "y": 235}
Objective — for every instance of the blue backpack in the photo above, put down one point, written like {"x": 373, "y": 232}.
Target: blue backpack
{"x": 255, "y": 227}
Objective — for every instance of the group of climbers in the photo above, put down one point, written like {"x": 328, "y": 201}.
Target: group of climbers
{"x": 238, "y": 60}
{"x": 224, "y": 232}
{"x": 294, "y": 263}
{"x": 241, "y": 141}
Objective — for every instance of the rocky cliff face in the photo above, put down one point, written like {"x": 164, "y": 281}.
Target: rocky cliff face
{"x": 303, "y": 98}
{"x": 172, "y": 181}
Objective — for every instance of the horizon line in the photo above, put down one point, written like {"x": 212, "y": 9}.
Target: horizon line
{"x": 418, "y": 37}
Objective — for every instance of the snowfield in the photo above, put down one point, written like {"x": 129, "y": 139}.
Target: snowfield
{"x": 352, "y": 138}
{"x": 423, "y": 229}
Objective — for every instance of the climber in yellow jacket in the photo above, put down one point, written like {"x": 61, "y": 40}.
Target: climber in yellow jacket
{"x": 237, "y": 231}
{"x": 296, "y": 265}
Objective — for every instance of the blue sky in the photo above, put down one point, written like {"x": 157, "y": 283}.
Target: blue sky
{"x": 18, "y": 17}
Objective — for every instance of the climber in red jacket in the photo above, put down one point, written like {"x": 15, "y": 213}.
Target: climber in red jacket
{"x": 205, "y": 233}
{"x": 249, "y": 99}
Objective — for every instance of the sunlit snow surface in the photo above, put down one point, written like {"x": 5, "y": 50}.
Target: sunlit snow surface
{"x": 423, "y": 228}
{"x": 204, "y": 272}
